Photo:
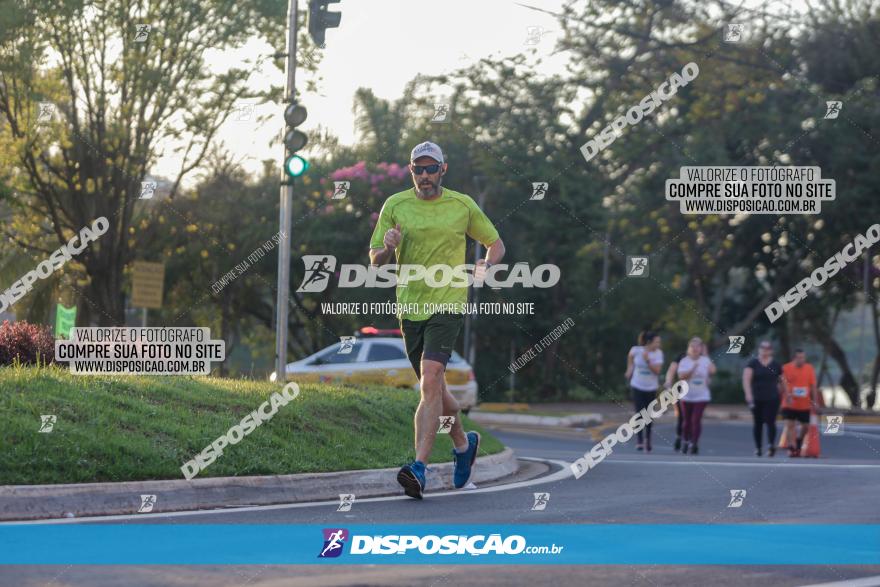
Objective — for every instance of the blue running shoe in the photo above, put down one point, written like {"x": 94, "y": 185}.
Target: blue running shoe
{"x": 412, "y": 478}
{"x": 464, "y": 462}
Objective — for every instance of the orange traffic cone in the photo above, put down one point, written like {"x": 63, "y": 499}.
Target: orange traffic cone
{"x": 810, "y": 447}
{"x": 783, "y": 438}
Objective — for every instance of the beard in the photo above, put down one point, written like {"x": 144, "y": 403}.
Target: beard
{"x": 427, "y": 188}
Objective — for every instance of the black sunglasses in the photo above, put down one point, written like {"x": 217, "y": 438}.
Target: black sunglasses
{"x": 431, "y": 169}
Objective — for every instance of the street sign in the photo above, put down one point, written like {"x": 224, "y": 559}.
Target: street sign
{"x": 147, "y": 282}
{"x": 65, "y": 319}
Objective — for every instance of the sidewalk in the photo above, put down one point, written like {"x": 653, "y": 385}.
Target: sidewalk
{"x": 573, "y": 414}
{"x": 33, "y": 502}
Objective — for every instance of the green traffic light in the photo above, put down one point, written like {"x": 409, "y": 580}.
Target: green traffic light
{"x": 295, "y": 166}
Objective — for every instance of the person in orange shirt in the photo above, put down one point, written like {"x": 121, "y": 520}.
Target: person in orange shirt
{"x": 801, "y": 396}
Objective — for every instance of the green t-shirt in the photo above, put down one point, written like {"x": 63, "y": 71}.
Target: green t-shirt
{"x": 432, "y": 233}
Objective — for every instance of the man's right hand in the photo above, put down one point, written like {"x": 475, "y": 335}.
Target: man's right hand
{"x": 392, "y": 237}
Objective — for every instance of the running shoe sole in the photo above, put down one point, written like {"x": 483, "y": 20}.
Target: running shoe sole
{"x": 473, "y": 459}
{"x": 410, "y": 484}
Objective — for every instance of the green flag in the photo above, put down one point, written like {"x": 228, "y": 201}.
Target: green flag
{"x": 65, "y": 319}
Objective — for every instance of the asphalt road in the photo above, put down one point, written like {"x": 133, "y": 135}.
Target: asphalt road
{"x": 629, "y": 487}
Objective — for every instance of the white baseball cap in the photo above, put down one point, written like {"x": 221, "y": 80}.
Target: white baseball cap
{"x": 427, "y": 149}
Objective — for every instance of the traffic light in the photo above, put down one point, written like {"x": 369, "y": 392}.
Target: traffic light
{"x": 295, "y": 166}
{"x": 320, "y": 19}
{"x": 294, "y": 140}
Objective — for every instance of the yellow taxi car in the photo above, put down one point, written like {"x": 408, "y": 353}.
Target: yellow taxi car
{"x": 378, "y": 357}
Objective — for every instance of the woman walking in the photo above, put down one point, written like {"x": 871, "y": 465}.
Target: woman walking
{"x": 695, "y": 368}
{"x": 671, "y": 376}
{"x": 643, "y": 364}
{"x": 763, "y": 387}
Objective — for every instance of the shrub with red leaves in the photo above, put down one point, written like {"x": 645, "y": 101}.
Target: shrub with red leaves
{"x": 26, "y": 342}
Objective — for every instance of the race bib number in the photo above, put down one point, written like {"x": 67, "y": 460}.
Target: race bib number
{"x": 800, "y": 392}
{"x": 645, "y": 372}
{"x": 697, "y": 381}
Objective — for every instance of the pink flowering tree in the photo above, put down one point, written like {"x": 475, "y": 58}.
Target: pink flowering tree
{"x": 342, "y": 227}
{"x": 369, "y": 187}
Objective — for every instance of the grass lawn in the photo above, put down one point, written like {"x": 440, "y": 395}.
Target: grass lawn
{"x": 127, "y": 428}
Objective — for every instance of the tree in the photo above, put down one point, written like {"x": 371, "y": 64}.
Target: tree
{"x": 219, "y": 244}
{"x": 121, "y": 93}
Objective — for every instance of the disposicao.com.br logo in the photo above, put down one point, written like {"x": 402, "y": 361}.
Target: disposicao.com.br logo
{"x": 320, "y": 268}
{"x": 334, "y": 541}
{"x": 401, "y": 544}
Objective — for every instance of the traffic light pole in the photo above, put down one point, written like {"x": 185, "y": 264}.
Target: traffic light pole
{"x": 285, "y": 212}
{"x": 470, "y": 332}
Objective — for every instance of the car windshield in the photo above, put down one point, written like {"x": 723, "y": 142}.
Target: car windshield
{"x": 339, "y": 354}
{"x": 385, "y": 351}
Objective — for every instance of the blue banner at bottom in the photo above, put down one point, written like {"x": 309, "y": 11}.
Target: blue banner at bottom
{"x": 593, "y": 544}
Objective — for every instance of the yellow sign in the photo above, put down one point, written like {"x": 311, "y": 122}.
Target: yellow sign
{"x": 146, "y": 284}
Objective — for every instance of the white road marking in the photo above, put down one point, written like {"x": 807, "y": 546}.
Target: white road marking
{"x": 557, "y": 476}
{"x": 863, "y": 582}
{"x": 766, "y": 463}
{"x": 563, "y": 473}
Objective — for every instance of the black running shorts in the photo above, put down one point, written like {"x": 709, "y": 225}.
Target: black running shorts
{"x": 802, "y": 416}
{"x": 432, "y": 339}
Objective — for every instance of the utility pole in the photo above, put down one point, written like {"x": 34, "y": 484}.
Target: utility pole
{"x": 285, "y": 213}
{"x": 470, "y": 333}
{"x": 320, "y": 19}
{"x": 603, "y": 285}
{"x": 865, "y": 295}
{"x": 512, "y": 371}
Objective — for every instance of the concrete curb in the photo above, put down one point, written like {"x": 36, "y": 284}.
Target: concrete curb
{"x": 33, "y": 502}
{"x": 726, "y": 414}
{"x": 575, "y": 420}
{"x": 734, "y": 414}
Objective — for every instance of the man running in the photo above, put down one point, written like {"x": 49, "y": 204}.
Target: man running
{"x": 426, "y": 226}
{"x": 800, "y": 397}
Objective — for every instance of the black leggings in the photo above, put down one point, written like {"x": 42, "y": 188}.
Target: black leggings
{"x": 764, "y": 414}
{"x": 641, "y": 400}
